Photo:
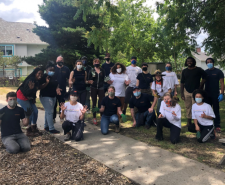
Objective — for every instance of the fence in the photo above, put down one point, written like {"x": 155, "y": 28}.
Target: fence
{"x": 9, "y": 82}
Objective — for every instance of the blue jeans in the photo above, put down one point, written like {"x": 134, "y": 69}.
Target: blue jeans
{"x": 48, "y": 104}
{"x": 144, "y": 118}
{"x": 29, "y": 104}
{"x": 106, "y": 120}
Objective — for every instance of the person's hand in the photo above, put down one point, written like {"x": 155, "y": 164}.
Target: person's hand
{"x": 124, "y": 117}
{"x": 220, "y": 98}
{"x": 198, "y": 134}
{"x": 134, "y": 123}
{"x": 47, "y": 79}
{"x": 160, "y": 116}
{"x": 182, "y": 97}
{"x": 90, "y": 81}
{"x": 58, "y": 91}
{"x": 28, "y": 112}
{"x": 127, "y": 82}
{"x": 31, "y": 84}
{"x": 170, "y": 90}
{"x": 84, "y": 110}
{"x": 63, "y": 108}
{"x": 175, "y": 93}
{"x": 150, "y": 110}
{"x": 174, "y": 113}
{"x": 110, "y": 82}
{"x": 73, "y": 80}
{"x": 203, "y": 115}
{"x": 95, "y": 109}
{"x": 1, "y": 115}
{"x": 197, "y": 128}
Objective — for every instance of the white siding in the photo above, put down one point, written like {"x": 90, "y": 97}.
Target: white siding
{"x": 20, "y": 50}
{"x": 34, "y": 49}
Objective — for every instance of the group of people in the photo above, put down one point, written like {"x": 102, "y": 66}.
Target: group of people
{"x": 111, "y": 88}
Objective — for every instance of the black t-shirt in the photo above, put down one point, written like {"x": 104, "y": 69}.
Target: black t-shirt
{"x": 110, "y": 105}
{"x": 107, "y": 68}
{"x": 144, "y": 80}
{"x": 11, "y": 120}
{"x": 61, "y": 75}
{"x": 212, "y": 82}
{"x": 79, "y": 84}
{"x": 50, "y": 89}
{"x": 143, "y": 103}
{"x": 191, "y": 78}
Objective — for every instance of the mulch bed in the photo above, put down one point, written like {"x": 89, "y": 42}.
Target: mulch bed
{"x": 50, "y": 161}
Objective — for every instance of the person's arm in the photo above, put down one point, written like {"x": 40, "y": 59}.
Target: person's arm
{"x": 63, "y": 108}
{"x": 133, "y": 116}
{"x": 119, "y": 110}
{"x": 196, "y": 125}
{"x": 205, "y": 116}
{"x": 102, "y": 109}
{"x": 177, "y": 114}
{"x": 25, "y": 121}
{"x": 222, "y": 86}
{"x": 46, "y": 83}
{"x": 137, "y": 83}
{"x": 182, "y": 91}
{"x": 204, "y": 76}
{"x": 175, "y": 90}
{"x": 71, "y": 79}
{"x": 153, "y": 104}
{"x": 25, "y": 116}
{"x": 202, "y": 83}
{"x": 83, "y": 111}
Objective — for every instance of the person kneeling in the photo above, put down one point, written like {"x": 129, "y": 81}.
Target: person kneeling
{"x": 73, "y": 112}
{"x": 110, "y": 106}
{"x": 12, "y": 136}
{"x": 203, "y": 115}
{"x": 146, "y": 114}
{"x": 170, "y": 117}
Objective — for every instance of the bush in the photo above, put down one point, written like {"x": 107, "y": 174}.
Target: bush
{"x": 21, "y": 79}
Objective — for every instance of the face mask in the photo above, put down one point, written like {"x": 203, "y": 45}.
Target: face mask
{"x": 210, "y": 65}
{"x": 51, "y": 73}
{"x": 169, "y": 68}
{"x": 60, "y": 63}
{"x": 138, "y": 93}
{"x": 119, "y": 70}
{"x": 73, "y": 98}
{"x": 198, "y": 100}
{"x": 168, "y": 103}
{"x": 79, "y": 66}
{"x": 84, "y": 62}
{"x": 133, "y": 62}
{"x": 107, "y": 59}
{"x": 144, "y": 68}
{"x": 12, "y": 103}
{"x": 111, "y": 94}
{"x": 97, "y": 65}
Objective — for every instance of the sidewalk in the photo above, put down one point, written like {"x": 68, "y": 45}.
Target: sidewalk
{"x": 138, "y": 161}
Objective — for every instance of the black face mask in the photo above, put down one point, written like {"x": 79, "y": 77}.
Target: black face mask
{"x": 60, "y": 63}
{"x": 97, "y": 65}
{"x": 144, "y": 68}
{"x": 107, "y": 59}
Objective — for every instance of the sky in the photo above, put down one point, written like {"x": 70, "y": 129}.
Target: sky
{"x": 27, "y": 11}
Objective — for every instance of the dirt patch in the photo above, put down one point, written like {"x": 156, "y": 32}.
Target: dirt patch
{"x": 50, "y": 161}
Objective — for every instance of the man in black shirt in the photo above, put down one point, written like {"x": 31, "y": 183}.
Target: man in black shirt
{"x": 62, "y": 74}
{"x": 190, "y": 81}
{"x": 142, "y": 102}
{"x": 107, "y": 67}
{"x": 214, "y": 77}
{"x": 12, "y": 136}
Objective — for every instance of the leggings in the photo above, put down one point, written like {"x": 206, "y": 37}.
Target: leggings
{"x": 94, "y": 94}
{"x": 174, "y": 130}
{"x": 206, "y": 132}
{"x": 82, "y": 96}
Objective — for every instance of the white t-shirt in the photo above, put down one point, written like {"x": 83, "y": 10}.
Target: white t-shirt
{"x": 159, "y": 89}
{"x": 197, "y": 110}
{"x": 73, "y": 112}
{"x": 171, "y": 79}
{"x": 167, "y": 113}
{"x": 132, "y": 73}
{"x": 118, "y": 83}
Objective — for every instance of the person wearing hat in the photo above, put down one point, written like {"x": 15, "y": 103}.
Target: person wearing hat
{"x": 159, "y": 87}
{"x": 87, "y": 68}
{"x": 214, "y": 75}
{"x": 107, "y": 67}
{"x": 73, "y": 112}
{"x": 190, "y": 81}
{"x": 142, "y": 102}
{"x": 202, "y": 114}
{"x": 132, "y": 72}
{"x": 144, "y": 80}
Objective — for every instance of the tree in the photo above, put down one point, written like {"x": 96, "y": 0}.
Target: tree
{"x": 2, "y": 62}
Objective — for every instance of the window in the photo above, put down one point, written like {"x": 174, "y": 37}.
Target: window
{"x": 7, "y": 50}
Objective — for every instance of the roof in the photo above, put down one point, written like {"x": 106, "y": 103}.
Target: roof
{"x": 201, "y": 56}
{"x": 18, "y": 33}
{"x": 23, "y": 63}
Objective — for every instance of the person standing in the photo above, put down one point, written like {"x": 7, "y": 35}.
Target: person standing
{"x": 87, "y": 68}
{"x": 144, "y": 80}
{"x": 132, "y": 73}
{"x": 171, "y": 78}
{"x": 62, "y": 74}
{"x": 190, "y": 81}
{"x": 107, "y": 67}
{"x": 214, "y": 77}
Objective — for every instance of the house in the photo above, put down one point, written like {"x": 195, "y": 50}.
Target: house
{"x": 17, "y": 39}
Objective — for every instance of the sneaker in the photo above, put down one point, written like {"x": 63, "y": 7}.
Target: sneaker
{"x": 117, "y": 129}
{"x": 54, "y": 121}
{"x": 218, "y": 130}
{"x": 95, "y": 121}
{"x": 46, "y": 129}
{"x": 67, "y": 137}
{"x": 54, "y": 131}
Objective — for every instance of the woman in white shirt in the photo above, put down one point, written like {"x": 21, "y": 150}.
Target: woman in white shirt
{"x": 119, "y": 80}
{"x": 202, "y": 114}
{"x": 159, "y": 88}
{"x": 171, "y": 78}
{"x": 170, "y": 117}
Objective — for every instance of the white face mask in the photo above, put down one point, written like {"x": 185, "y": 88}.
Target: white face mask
{"x": 119, "y": 70}
{"x": 79, "y": 66}
{"x": 73, "y": 98}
